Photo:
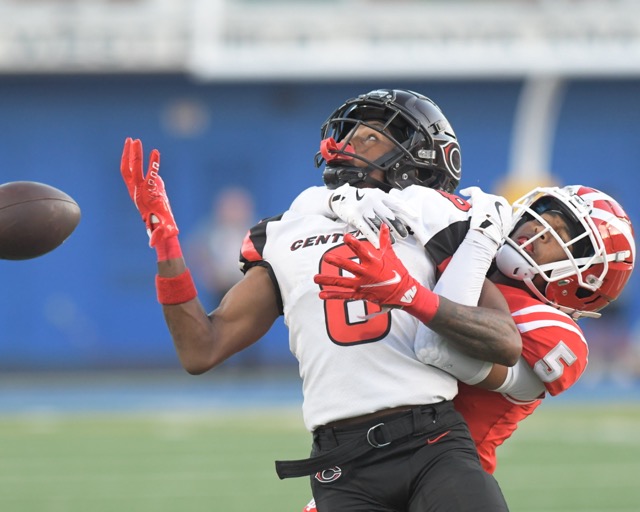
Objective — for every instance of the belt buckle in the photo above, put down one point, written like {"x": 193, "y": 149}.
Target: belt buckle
{"x": 371, "y": 440}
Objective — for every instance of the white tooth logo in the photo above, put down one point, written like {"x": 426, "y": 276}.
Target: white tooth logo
{"x": 395, "y": 279}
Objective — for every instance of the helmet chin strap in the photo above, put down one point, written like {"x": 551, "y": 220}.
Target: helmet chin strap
{"x": 376, "y": 183}
{"x": 374, "y": 166}
{"x": 379, "y": 164}
{"x": 343, "y": 170}
{"x": 515, "y": 266}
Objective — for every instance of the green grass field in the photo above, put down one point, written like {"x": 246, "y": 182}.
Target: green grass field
{"x": 563, "y": 459}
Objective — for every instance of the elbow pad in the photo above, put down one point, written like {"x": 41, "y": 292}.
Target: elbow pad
{"x": 522, "y": 383}
{"x": 433, "y": 350}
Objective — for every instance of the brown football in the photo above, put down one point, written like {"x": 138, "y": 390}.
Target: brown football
{"x": 35, "y": 218}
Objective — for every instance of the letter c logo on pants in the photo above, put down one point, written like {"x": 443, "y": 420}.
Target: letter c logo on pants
{"x": 329, "y": 475}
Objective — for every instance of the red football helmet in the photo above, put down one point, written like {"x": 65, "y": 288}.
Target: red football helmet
{"x": 600, "y": 254}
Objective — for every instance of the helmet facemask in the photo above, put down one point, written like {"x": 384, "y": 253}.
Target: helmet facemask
{"x": 340, "y": 166}
{"x": 414, "y": 158}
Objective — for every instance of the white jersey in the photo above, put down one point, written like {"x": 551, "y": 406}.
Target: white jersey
{"x": 351, "y": 363}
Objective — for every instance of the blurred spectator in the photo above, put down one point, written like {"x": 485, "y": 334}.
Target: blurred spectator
{"x": 213, "y": 248}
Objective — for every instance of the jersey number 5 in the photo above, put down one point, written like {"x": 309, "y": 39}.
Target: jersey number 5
{"x": 348, "y": 322}
{"x": 550, "y": 367}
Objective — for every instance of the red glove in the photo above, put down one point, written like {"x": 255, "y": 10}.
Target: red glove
{"x": 149, "y": 196}
{"x": 380, "y": 277}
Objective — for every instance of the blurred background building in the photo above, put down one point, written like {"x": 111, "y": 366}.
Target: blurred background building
{"x": 233, "y": 93}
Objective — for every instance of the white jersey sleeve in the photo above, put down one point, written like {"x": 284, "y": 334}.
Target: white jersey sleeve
{"x": 313, "y": 201}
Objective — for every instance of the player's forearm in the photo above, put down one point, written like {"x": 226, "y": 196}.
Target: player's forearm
{"x": 191, "y": 332}
{"x": 197, "y": 342}
{"x": 187, "y": 321}
{"x": 482, "y": 333}
{"x": 244, "y": 315}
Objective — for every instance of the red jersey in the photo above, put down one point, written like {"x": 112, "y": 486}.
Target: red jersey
{"x": 552, "y": 344}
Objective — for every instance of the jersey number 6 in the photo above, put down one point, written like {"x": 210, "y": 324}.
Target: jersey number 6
{"x": 348, "y": 322}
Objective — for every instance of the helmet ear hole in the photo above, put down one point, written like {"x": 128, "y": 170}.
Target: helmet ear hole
{"x": 583, "y": 293}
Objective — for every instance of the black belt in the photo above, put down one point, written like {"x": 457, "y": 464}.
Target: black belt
{"x": 378, "y": 435}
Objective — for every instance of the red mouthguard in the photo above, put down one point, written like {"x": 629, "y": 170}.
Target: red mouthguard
{"x": 329, "y": 149}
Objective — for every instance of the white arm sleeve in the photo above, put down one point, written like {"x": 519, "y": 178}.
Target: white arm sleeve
{"x": 463, "y": 278}
{"x": 522, "y": 383}
{"x": 461, "y": 282}
{"x": 433, "y": 349}
{"x": 489, "y": 224}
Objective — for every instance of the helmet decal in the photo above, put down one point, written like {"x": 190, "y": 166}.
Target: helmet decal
{"x": 451, "y": 157}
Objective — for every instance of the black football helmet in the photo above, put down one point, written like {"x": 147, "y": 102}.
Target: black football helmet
{"x": 426, "y": 149}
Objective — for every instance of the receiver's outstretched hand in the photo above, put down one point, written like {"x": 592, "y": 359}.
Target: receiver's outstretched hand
{"x": 148, "y": 192}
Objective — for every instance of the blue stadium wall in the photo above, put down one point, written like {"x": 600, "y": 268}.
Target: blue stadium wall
{"x": 91, "y": 303}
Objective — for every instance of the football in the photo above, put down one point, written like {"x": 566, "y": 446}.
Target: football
{"x": 35, "y": 218}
